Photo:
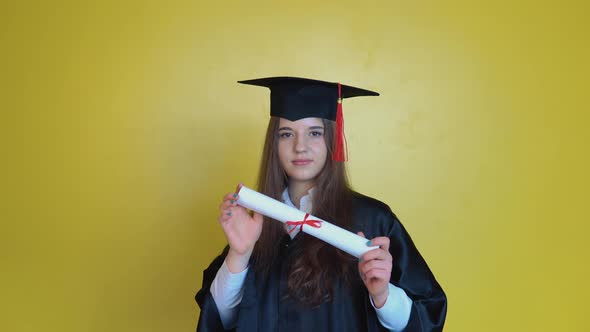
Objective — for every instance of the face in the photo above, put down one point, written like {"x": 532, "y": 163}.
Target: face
{"x": 302, "y": 149}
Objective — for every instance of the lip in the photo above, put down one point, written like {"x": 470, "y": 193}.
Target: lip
{"x": 301, "y": 162}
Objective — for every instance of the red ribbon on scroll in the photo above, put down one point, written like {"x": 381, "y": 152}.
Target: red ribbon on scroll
{"x": 305, "y": 221}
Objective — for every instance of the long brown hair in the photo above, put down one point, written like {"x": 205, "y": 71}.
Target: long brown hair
{"x": 316, "y": 264}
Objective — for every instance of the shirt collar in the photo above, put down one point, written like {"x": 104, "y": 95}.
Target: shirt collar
{"x": 305, "y": 205}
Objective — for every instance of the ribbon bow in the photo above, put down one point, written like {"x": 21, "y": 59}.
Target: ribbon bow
{"x": 311, "y": 222}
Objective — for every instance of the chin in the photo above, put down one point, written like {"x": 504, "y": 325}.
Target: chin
{"x": 300, "y": 177}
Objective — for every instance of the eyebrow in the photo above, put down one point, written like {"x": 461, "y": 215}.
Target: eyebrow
{"x": 310, "y": 128}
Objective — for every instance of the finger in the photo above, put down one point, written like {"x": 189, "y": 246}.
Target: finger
{"x": 223, "y": 200}
{"x": 231, "y": 199}
{"x": 380, "y": 241}
{"x": 238, "y": 187}
{"x": 229, "y": 196}
{"x": 223, "y": 217}
{"x": 377, "y": 254}
{"x": 378, "y": 274}
{"x": 375, "y": 275}
{"x": 376, "y": 265}
{"x": 224, "y": 205}
{"x": 226, "y": 197}
{"x": 227, "y": 213}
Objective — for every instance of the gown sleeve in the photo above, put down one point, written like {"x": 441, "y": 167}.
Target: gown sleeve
{"x": 209, "y": 320}
{"x": 409, "y": 271}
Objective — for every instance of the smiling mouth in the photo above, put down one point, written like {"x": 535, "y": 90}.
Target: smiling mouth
{"x": 302, "y": 162}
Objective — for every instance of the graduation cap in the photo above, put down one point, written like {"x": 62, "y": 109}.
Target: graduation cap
{"x": 295, "y": 98}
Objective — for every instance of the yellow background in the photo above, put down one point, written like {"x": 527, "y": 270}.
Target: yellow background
{"x": 122, "y": 126}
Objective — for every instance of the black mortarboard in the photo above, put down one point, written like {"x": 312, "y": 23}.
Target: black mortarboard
{"x": 295, "y": 98}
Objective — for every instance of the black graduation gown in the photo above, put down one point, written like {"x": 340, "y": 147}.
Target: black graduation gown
{"x": 265, "y": 306}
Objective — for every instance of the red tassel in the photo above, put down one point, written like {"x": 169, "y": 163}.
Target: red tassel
{"x": 339, "y": 149}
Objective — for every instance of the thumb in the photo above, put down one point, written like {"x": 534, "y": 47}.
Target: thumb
{"x": 361, "y": 234}
{"x": 257, "y": 217}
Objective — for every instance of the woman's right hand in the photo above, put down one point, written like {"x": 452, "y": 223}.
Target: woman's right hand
{"x": 241, "y": 231}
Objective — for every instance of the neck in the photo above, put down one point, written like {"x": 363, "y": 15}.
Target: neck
{"x": 298, "y": 190}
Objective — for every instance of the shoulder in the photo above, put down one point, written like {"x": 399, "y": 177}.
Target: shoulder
{"x": 364, "y": 203}
{"x": 371, "y": 215}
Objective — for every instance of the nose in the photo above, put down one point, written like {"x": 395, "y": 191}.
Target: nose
{"x": 300, "y": 143}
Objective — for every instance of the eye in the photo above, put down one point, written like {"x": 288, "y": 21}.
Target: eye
{"x": 316, "y": 133}
{"x": 285, "y": 134}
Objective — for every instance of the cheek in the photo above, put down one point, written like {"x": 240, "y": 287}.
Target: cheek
{"x": 321, "y": 150}
{"x": 282, "y": 151}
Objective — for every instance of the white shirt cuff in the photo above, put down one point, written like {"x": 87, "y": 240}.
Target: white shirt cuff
{"x": 395, "y": 313}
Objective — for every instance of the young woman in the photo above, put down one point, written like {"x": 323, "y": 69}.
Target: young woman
{"x": 272, "y": 277}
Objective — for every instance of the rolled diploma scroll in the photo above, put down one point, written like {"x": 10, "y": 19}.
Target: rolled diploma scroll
{"x": 334, "y": 235}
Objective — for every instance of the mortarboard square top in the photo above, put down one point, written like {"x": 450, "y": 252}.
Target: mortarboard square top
{"x": 295, "y": 98}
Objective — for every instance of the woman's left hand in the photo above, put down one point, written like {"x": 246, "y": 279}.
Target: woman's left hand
{"x": 375, "y": 269}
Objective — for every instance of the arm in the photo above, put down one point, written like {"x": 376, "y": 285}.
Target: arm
{"x": 227, "y": 290}
{"x": 391, "y": 303}
{"x": 241, "y": 231}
